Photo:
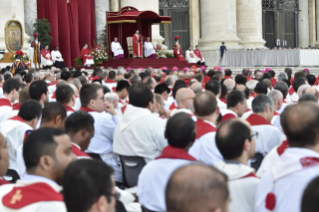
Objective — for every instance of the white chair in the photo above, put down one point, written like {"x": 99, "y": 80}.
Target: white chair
{"x": 130, "y": 47}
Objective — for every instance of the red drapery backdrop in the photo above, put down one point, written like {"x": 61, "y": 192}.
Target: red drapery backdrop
{"x": 72, "y": 24}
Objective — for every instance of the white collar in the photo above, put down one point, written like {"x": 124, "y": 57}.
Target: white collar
{"x": 229, "y": 111}
{"x": 37, "y": 178}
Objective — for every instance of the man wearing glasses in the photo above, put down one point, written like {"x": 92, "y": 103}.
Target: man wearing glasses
{"x": 236, "y": 142}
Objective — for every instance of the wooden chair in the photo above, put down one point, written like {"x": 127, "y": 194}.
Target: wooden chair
{"x": 130, "y": 46}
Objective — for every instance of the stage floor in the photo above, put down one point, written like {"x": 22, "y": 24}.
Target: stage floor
{"x": 146, "y": 63}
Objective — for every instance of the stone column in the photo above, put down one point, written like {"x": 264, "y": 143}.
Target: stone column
{"x": 317, "y": 27}
{"x": 115, "y": 6}
{"x": 303, "y": 24}
{"x": 101, "y": 6}
{"x": 249, "y": 23}
{"x": 30, "y": 16}
{"x": 218, "y": 24}
{"x": 194, "y": 22}
{"x": 152, "y": 5}
{"x": 312, "y": 23}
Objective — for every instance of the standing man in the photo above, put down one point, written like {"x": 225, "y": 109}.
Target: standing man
{"x": 117, "y": 49}
{"x": 149, "y": 50}
{"x": 137, "y": 44}
{"x": 222, "y": 49}
{"x": 37, "y": 50}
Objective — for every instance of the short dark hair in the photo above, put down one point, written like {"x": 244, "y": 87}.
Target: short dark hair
{"x": 39, "y": 143}
{"x": 297, "y": 83}
{"x": 112, "y": 74}
{"x": 51, "y": 110}
{"x": 261, "y": 88}
{"x": 37, "y": 88}
{"x": 77, "y": 121}
{"x": 7, "y": 76}
{"x": 161, "y": 88}
{"x": 65, "y": 75}
{"x": 140, "y": 96}
{"x": 230, "y": 138}
{"x": 301, "y": 124}
{"x": 213, "y": 86}
{"x": 88, "y": 92}
{"x": 198, "y": 77}
{"x": 311, "y": 79}
{"x": 308, "y": 97}
{"x": 234, "y": 98}
{"x": 205, "y": 103}
{"x": 10, "y": 85}
{"x": 267, "y": 76}
{"x": 29, "y": 110}
{"x": 272, "y": 73}
{"x": 28, "y": 77}
{"x": 282, "y": 87}
{"x": 228, "y": 72}
{"x": 178, "y": 85}
{"x": 224, "y": 91}
{"x": 310, "y": 197}
{"x": 245, "y": 72}
{"x": 180, "y": 130}
{"x": 122, "y": 84}
{"x": 84, "y": 182}
{"x": 64, "y": 94}
{"x": 240, "y": 80}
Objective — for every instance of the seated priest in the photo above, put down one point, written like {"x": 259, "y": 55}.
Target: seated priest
{"x": 86, "y": 56}
{"x": 178, "y": 53}
{"x": 57, "y": 58}
{"x": 117, "y": 49}
{"x": 46, "y": 58}
{"x": 190, "y": 56}
{"x": 149, "y": 50}
{"x": 199, "y": 55}
{"x": 18, "y": 63}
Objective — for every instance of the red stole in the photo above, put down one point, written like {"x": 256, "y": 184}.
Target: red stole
{"x": 17, "y": 118}
{"x": 170, "y": 152}
{"x": 4, "y": 182}
{"x": 123, "y": 109}
{"x": 228, "y": 116}
{"x": 172, "y": 107}
{"x": 223, "y": 100}
{"x": 273, "y": 81}
{"x": 198, "y": 54}
{"x": 203, "y": 128}
{"x": 291, "y": 91}
{"x": 16, "y": 106}
{"x": 281, "y": 149}
{"x": 5, "y": 102}
{"x": 68, "y": 109}
{"x": 256, "y": 120}
{"x": 109, "y": 81}
{"x": 30, "y": 194}
{"x": 78, "y": 152}
{"x": 44, "y": 53}
{"x": 87, "y": 109}
{"x": 53, "y": 95}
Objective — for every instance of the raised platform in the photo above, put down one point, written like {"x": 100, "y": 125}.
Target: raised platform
{"x": 146, "y": 63}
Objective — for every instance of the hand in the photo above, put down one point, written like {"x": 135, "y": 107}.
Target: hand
{"x": 109, "y": 108}
{"x": 167, "y": 114}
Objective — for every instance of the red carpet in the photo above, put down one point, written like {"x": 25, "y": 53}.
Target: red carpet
{"x": 145, "y": 63}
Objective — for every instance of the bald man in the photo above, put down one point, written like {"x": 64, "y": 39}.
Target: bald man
{"x": 197, "y": 188}
{"x": 196, "y": 87}
{"x": 311, "y": 90}
{"x": 185, "y": 102}
{"x": 236, "y": 134}
{"x": 298, "y": 165}
{"x": 301, "y": 89}
{"x": 277, "y": 99}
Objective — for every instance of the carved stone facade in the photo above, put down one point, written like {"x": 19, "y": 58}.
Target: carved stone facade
{"x": 30, "y": 16}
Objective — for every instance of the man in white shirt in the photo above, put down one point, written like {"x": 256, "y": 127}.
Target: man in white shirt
{"x": 11, "y": 89}
{"x": 185, "y": 102}
{"x": 190, "y": 56}
{"x": 65, "y": 95}
{"x": 236, "y": 105}
{"x": 155, "y": 175}
{"x": 292, "y": 97}
{"x": 57, "y": 59}
{"x": 236, "y": 142}
{"x": 207, "y": 112}
{"x": 214, "y": 86}
{"x": 105, "y": 121}
{"x": 14, "y": 129}
{"x": 149, "y": 50}
{"x": 111, "y": 81}
{"x": 117, "y": 49}
{"x": 282, "y": 186}
{"x": 277, "y": 99}
{"x": 283, "y": 88}
{"x": 47, "y": 153}
{"x": 149, "y": 141}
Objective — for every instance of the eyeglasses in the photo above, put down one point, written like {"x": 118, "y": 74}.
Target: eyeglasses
{"x": 115, "y": 195}
{"x": 102, "y": 98}
{"x": 254, "y": 135}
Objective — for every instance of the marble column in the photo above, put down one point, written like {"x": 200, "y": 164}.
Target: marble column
{"x": 317, "y": 18}
{"x": 312, "y": 23}
{"x": 194, "y": 22}
{"x": 30, "y": 16}
{"x": 303, "y": 24}
{"x": 101, "y": 6}
{"x": 249, "y": 23}
{"x": 218, "y": 24}
{"x": 152, "y": 5}
{"x": 115, "y": 5}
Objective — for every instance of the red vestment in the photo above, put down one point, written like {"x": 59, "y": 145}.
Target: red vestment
{"x": 44, "y": 54}
{"x": 179, "y": 54}
{"x": 84, "y": 53}
{"x": 198, "y": 54}
{"x": 138, "y": 46}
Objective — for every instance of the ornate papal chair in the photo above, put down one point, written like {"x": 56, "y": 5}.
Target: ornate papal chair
{"x": 130, "y": 47}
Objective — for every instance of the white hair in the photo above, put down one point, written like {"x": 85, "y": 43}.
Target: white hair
{"x": 111, "y": 97}
{"x": 251, "y": 84}
{"x": 275, "y": 95}
{"x": 73, "y": 87}
{"x": 301, "y": 89}
{"x": 230, "y": 84}
{"x": 76, "y": 82}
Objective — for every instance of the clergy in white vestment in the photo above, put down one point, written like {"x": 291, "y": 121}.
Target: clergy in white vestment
{"x": 236, "y": 134}
{"x": 117, "y": 49}
{"x": 204, "y": 149}
{"x": 155, "y": 175}
{"x": 282, "y": 185}
{"x": 190, "y": 56}
{"x": 57, "y": 58}
{"x": 149, "y": 50}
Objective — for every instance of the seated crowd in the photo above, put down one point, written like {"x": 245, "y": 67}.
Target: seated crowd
{"x": 158, "y": 140}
